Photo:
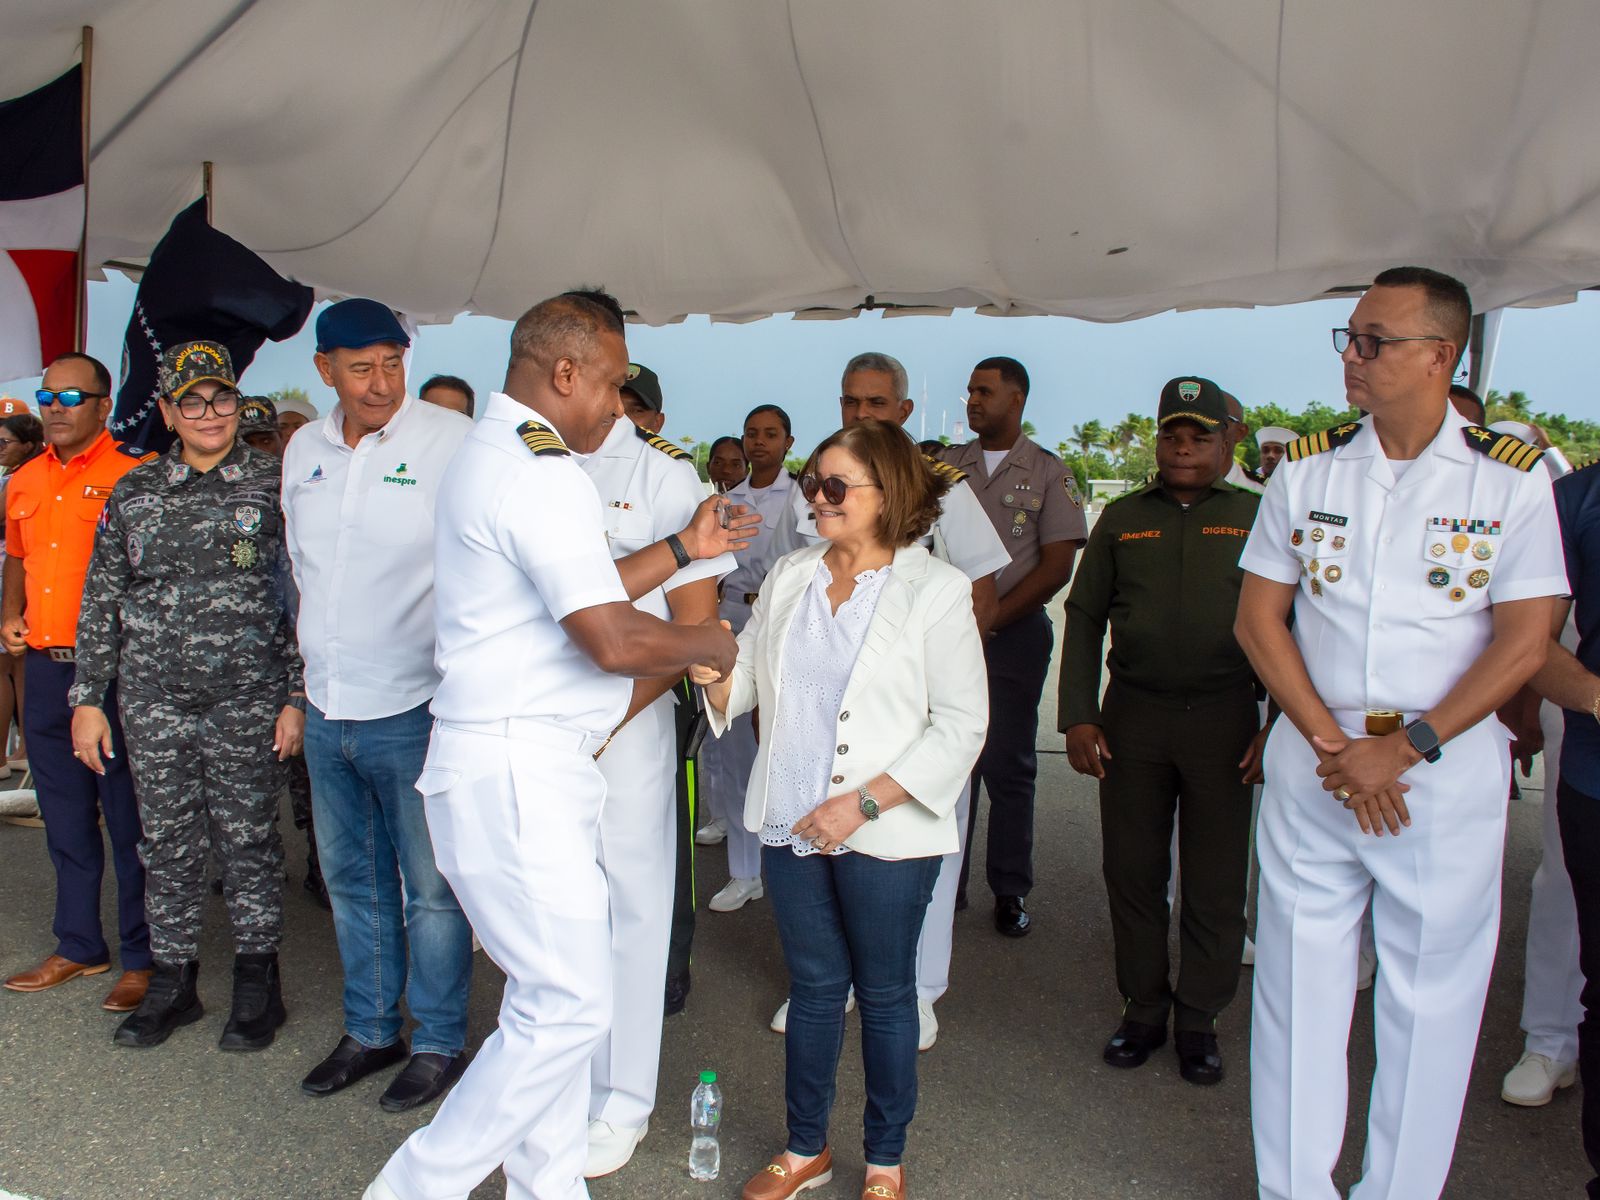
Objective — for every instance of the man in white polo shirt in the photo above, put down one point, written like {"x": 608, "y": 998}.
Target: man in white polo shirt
{"x": 359, "y": 488}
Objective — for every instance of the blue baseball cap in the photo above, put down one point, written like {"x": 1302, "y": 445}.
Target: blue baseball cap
{"x": 355, "y": 324}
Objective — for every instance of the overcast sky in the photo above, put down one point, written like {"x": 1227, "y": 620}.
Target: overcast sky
{"x": 712, "y": 374}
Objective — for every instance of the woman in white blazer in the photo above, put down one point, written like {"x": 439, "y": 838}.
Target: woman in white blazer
{"x": 863, "y": 658}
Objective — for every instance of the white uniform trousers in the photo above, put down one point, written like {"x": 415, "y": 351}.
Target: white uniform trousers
{"x": 725, "y": 764}
{"x": 1552, "y": 982}
{"x": 1435, "y": 894}
{"x": 938, "y": 922}
{"x": 638, "y": 839}
{"x": 515, "y": 821}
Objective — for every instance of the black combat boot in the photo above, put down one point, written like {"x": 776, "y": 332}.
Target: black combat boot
{"x": 257, "y": 1003}
{"x": 171, "y": 1001}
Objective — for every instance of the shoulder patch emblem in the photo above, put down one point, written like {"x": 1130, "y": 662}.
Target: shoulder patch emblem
{"x": 1502, "y": 447}
{"x": 541, "y": 439}
{"x": 1320, "y": 443}
{"x": 136, "y": 452}
{"x": 1070, "y": 483}
{"x": 943, "y": 469}
{"x": 656, "y": 442}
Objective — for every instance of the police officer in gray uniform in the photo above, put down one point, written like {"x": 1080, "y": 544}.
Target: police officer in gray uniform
{"x": 184, "y": 611}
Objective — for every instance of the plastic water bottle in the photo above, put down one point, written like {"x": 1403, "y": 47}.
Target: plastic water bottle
{"x": 705, "y": 1116}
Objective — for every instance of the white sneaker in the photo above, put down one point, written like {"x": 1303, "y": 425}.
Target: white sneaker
{"x": 1535, "y": 1079}
{"x": 927, "y": 1025}
{"x": 379, "y": 1190}
{"x": 736, "y": 895}
{"x": 780, "y": 1019}
{"x": 610, "y": 1147}
{"x": 710, "y": 835}
{"x": 1248, "y": 958}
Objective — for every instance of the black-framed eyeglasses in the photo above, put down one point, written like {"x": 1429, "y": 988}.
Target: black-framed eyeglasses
{"x": 66, "y": 397}
{"x": 1368, "y": 344}
{"x": 224, "y": 402}
{"x": 833, "y": 488}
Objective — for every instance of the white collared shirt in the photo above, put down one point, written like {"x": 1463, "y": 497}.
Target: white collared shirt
{"x": 521, "y": 545}
{"x": 646, "y": 494}
{"x": 360, "y": 529}
{"x": 756, "y": 559}
{"x": 1398, "y": 577}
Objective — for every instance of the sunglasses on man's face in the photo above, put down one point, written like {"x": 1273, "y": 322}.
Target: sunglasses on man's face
{"x": 66, "y": 397}
{"x": 832, "y": 488}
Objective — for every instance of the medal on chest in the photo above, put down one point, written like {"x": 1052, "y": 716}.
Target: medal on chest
{"x": 244, "y": 554}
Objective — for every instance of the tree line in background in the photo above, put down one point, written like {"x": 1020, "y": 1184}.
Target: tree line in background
{"x": 1127, "y": 448}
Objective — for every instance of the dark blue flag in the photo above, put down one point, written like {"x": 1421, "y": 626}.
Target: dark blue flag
{"x": 200, "y": 284}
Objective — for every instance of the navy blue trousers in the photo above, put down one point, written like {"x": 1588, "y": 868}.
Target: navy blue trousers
{"x": 72, "y": 799}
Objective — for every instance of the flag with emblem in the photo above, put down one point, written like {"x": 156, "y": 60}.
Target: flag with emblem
{"x": 200, "y": 284}
{"x": 41, "y": 224}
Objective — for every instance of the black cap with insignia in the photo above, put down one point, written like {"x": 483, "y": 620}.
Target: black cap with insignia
{"x": 1191, "y": 398}
{"x": 257, "y": 414}
{"x": 642, "y": 382}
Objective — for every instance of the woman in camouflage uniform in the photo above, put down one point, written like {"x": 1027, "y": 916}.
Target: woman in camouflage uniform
{"x": 183, "y": 610}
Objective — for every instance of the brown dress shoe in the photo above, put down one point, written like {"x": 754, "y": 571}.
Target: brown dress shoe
{"x": 129, "y": 991}
{"x": 776, "y": 1182}
{"x": 883, "y": 1187}
{"x": 51, "y": 972}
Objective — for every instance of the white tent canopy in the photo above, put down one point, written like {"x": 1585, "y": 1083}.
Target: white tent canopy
{"x": 1097, "y": 158}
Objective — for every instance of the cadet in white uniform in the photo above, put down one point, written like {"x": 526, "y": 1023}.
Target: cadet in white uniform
{"x": 1417, "y": 555}
{"x": 532, "y": 614}
{"x": 874, "y": 388}
{"x": 648, "y": 489}
{"x": 727, "y": 760}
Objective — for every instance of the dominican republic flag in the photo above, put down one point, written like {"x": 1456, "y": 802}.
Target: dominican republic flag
{"x": 41, "y": 224}
{"x": 200, "y": 284}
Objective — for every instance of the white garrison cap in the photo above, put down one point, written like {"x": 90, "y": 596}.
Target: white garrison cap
{"x": 295, "y": 405}
{"x": 1275, "y": 433}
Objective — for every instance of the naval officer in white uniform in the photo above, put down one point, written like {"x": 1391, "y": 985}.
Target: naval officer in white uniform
{"x": 535, "y": 635}
{"x": 726, "y": 761}
{"x": 875, "y": 387}
{"x": 648, "y": 489}
{"x": 1418, "y": 557}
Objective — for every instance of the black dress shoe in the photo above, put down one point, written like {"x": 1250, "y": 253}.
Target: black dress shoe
{"x": 677, "y": 993}
{"x": 1199, "y": 1060}
{"x": 1011, "y": 916}
{"x": 426, "y": 1077}
{"x": 349, "y": 1062}
{"x": 1132, "y": 1043}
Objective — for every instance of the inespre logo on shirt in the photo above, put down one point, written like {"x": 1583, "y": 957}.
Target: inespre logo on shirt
{"x": 400, "y": 477}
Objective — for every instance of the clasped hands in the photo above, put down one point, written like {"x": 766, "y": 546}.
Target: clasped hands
{"x": 1364, "y": 775}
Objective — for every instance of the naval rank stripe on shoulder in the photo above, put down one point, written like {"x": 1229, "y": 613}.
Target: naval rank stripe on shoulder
{"x": 1502, "y": 447}
{"x": 541, "y": 439}
{"x": 656, "y": 442}
{"x": 943, "y": 469}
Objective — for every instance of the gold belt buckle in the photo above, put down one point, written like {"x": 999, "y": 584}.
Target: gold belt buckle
{"x": 1381, "y": 721}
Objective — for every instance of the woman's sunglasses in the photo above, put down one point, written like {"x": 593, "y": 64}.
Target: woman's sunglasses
{"x": 833, "y": 488}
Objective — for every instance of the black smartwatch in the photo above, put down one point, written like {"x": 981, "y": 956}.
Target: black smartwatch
{"x": 675, "y": 544}
{"x": 1424, "y": 740}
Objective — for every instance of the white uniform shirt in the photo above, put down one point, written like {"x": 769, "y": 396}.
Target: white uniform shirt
{"x": 755, "y": 560}
{"x": 963, "y": 535}
{"x": 646, "y": 494}
{"x": 1236, "y": 476}
{"x": 520, "y": 545}
{"x": 1396, "y": 579}
{"x": 360, "y": 531}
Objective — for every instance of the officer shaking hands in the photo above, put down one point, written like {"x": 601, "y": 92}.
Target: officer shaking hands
{"x": 536, "y": 639}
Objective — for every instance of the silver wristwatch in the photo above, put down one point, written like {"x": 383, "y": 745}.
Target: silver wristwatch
{"x": 869, "y": 806}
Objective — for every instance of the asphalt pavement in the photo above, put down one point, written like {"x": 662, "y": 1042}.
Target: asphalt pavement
{"x": 1014, "y": 1104}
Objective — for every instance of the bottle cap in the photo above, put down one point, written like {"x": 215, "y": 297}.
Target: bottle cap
{"x": 708, "y": 1076}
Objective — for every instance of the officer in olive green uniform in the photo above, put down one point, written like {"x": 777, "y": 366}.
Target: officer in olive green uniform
{"x": 1177, "y": 724}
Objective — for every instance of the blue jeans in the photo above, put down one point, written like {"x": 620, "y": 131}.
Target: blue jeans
{"x": 377, "y": 860}
{"x": 845, "y": 919}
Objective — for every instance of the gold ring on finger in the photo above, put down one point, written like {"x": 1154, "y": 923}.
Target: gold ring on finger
{"x": 1341, "y": 794}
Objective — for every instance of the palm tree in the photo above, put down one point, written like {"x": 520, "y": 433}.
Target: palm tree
{"x": 1088, "y": 436}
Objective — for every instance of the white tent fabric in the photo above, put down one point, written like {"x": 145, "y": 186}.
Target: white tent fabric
{"x": 1098, "y": 158}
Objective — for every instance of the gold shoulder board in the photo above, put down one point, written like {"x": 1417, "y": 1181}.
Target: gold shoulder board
{"x": 1502, "y": 447}
{"x": 943, "y": 469}
{"x": 657, "y": 442}
{"x": 1319, "y": 443}
{"x": 541, "y": 439}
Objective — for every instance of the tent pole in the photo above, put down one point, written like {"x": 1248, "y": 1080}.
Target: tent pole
{"x": 81, "y": 336}
{"x": 205, "y": 183}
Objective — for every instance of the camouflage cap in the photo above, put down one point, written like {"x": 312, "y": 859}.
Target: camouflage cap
{"x": 187, "y": 363}
{"x": 257, "y": 415}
